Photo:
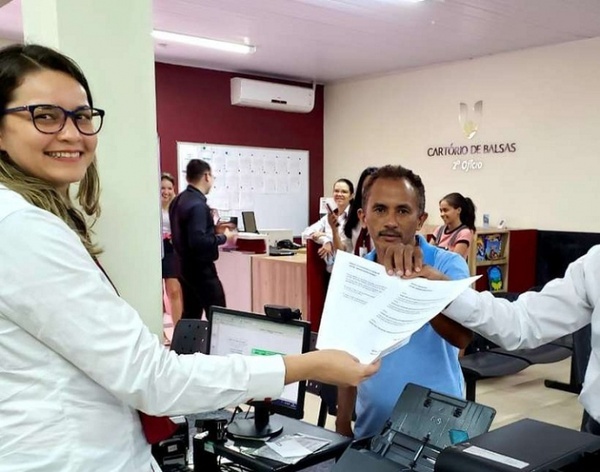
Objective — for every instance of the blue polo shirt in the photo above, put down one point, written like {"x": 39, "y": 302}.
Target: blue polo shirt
{"x": 426, "y": 360}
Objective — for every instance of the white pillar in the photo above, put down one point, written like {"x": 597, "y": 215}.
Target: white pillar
{"x": 110, "y": 40}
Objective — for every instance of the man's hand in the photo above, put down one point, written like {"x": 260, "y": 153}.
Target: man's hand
{"x": 346, "y": 400}
{"x": 325, "y": 250}
{"x": 220, "y": 227}
{"x": 428, "y": 272}
{"x": 344, "y": 427}
{"x": 403, "y": 260}
{"x": 230, "y": 235}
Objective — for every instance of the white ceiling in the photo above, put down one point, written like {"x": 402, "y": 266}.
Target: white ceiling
{"x": 330, "y": 40}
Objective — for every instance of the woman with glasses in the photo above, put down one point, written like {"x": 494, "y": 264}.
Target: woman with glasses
{"x": 323, "y": 231}
{"x": 76, "y": 360}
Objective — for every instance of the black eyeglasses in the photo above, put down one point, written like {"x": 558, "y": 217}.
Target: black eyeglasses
{"x": 51, "y": 119}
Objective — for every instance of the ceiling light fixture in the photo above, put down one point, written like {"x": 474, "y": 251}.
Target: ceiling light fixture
{"x": 203, "y": 42}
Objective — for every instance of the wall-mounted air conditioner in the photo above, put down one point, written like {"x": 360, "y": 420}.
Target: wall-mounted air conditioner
{"x": 260, "y": 94}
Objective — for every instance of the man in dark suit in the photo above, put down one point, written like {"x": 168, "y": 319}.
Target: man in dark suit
{"x": 196, "y": 240}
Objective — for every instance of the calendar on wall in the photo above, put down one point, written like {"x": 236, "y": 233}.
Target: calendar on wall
{"x": 271, "y": 182}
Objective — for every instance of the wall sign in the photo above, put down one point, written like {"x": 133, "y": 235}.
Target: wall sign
{"x": 472, "y": 156}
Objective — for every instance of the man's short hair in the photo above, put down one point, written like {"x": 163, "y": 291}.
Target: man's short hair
{"x": 195, "y": 169}
{"x": 396, "y": 173}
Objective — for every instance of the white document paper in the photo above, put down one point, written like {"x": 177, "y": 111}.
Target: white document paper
{"x": 370, "y": 314}
{"x": 288, "y": 448}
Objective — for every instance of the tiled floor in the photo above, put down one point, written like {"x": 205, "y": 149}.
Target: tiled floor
{"x": 514, "y": 397}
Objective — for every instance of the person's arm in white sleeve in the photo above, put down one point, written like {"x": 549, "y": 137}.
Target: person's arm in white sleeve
{"x": 61, "y": 298}
{"x": 318, "y": 231}
{"x": 534, "y": 319}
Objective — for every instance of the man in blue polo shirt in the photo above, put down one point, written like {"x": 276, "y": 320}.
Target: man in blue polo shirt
{"x": 393, "y": 210}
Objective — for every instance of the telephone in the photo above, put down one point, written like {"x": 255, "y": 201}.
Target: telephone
{"x": 287, "y": 244}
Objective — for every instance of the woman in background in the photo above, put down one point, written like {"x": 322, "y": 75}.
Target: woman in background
{"x": 456, "y": 234}
{"x": 169, "y": 271}
{"x": 354, "y": 238}
{"x": 322, "y": 232}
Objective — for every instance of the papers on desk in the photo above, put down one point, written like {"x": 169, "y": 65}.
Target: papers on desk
{"x": 291, "y": 448}
{"x": 370, "y": 314}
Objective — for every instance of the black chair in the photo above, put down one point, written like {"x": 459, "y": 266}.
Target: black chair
{"x": 480, "y": 362}
{"x": 547, "y": 354}
{"x": 190, "y": 336}
{"x": 581, "y": 348}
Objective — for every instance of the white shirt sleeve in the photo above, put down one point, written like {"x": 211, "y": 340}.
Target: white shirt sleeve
{"x": 52, "y": 289}
{"x": 321, "y": 226}
{"x": 562, "y": 307}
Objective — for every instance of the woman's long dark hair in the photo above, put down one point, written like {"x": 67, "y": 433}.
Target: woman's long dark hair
{"x": 352, "y": 220}
{"x": 467, "y": 208}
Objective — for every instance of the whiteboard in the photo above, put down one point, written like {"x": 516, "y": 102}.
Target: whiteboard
{"x": 271, "y": 182}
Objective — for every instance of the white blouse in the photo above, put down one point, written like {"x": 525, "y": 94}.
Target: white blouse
{"x": 77, "y": 362}
{"x": 165, "y": 222}
{"x": 322, "y": 226}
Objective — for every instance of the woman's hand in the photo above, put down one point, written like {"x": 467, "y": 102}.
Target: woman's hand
{"x": 325, "y": 250}
{"x": 316, "y": 235}
{"x": 329, "y": 366}
{"x": 332, "y": 219}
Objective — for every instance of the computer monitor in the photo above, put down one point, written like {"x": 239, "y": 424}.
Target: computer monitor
{"x": 249, "y": 222}
{"x": 251, "y": 334}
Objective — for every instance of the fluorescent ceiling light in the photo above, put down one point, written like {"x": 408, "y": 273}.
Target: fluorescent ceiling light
{"x": 203, "y": 42}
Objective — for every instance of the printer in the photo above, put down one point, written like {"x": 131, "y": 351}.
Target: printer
{"x": 524, "y": 446}
{"x": 422, "y": 424}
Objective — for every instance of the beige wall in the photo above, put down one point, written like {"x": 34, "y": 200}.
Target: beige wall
{"x": 122, "y": 83}
{"x": 546, "y": 100}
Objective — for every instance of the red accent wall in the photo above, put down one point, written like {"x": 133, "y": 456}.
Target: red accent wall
{"x": 521, "y": 262}
{"x": 522, "y": 258}
{"x": 193, "y": 105}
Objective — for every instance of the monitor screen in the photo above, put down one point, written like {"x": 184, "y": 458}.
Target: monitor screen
{"x": 249, "y": 222}
{"x": 251, "y": 334}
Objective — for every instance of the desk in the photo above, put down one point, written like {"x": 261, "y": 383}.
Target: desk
{"x": 333, "y": 450}
{"x": 252, "y": 281}
{"x": 279, "y": 280}
{"x": 235, "y": 272}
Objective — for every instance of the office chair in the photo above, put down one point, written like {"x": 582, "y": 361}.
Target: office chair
{"x": 481, "y": 362}
{"x": 545, "y": 354}
{"x": 190, "y": 336}
{"x": 580, "y": 346}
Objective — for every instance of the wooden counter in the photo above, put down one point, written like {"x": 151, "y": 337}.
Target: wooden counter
{"x": 252, "y": 281}
{"x": 279, "y": 280}
{"x": 235, "y": 271}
